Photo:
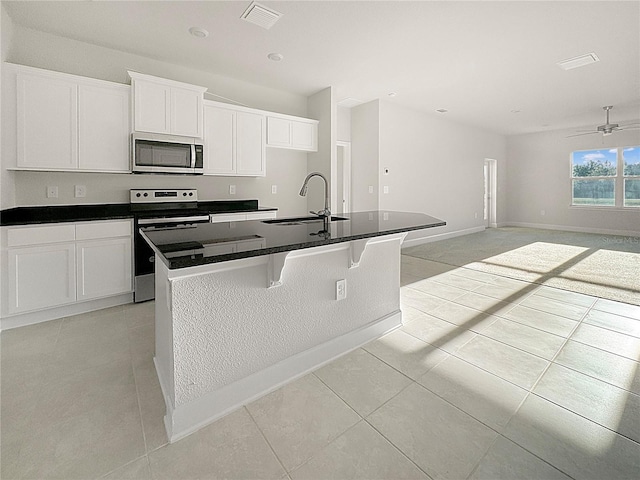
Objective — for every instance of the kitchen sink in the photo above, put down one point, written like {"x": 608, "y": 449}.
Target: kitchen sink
{"x": 300, "y": 220}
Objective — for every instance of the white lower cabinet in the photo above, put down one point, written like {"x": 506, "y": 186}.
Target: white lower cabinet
{"x": 41, "y": 277}
{"x": 60, "y": 264}
{"x": 103, "y": 267}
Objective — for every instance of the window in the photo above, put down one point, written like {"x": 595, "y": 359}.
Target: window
{"x": 631, "y": 162}
{"x": 606, "y": 178}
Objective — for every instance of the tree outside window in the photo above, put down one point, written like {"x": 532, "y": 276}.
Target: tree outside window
{"x": 606, "y": 178}
{"x": 631, "y": 159}
{"x": 593, "y": 177}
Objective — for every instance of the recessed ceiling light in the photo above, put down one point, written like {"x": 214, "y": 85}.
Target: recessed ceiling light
{"x": 516, "y": 111}
{"x": 260, "y": 15}
{"x": 580, "y": 61}
{"x": 198, "y": 32}
{"x": 276, "y": 57}
{"x": 392, "y": 94}
{"x": 442, "y": 110}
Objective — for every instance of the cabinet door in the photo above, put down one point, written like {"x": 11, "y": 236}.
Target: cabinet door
{"x": 304, "y": 136}
{"x": 104, "y": 267}
{"x": 250, "y": 146}
{"x": 104, "y": 128}
{"x": 47, "y": 127}
{"x": 41, "y": 277}
{"x": 152, "y": 107}
{"x": 278, "y": 132}
{"x": 186, "y": 112}
{"x": 219, "y": 158}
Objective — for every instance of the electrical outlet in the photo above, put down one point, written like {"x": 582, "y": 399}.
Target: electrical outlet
{"x": 475, "y": 215}
{"x": 341, "y": 289}
{"x": 385, "y": 189}
{"x": 274, "y": 189}
{"x": 542, "y": 212}
{"x": 370, "y": 188}
{"x": 52, "y": 192}
{"x": 80, "y": 191}
{"x": 232, "y": 189}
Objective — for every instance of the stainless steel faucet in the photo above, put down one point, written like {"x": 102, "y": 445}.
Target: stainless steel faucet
{"x": 303, "y": 192}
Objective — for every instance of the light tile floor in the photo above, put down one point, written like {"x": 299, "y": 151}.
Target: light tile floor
{"x": 489, "y": 378}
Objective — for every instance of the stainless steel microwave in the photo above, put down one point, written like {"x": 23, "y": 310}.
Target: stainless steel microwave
{"x": 166, "y": 154}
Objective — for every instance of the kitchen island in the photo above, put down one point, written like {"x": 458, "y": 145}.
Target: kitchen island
{"x": 244, "y": 307}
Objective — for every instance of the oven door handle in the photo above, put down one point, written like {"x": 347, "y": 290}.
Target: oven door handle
{"x": 195, "y": 218}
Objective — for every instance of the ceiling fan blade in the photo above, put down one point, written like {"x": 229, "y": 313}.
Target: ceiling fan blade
{"x": 581, "y": 134}
{"x": 631, "y": 126}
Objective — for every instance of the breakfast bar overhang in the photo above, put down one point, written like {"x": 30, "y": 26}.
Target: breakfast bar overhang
{"x": 245, "y": 307}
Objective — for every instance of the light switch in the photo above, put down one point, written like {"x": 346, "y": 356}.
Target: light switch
{"x": 370, "y": 188}
{"x": 385, "y": 189}
{"x": 274, "y": 189}
{"x": 232, "y": 189}
{"x": 80, "y": 191}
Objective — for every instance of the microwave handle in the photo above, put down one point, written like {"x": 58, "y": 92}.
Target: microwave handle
{"x": 193, "y": 156}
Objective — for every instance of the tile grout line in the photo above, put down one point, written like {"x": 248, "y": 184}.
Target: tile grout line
{"x": 364, "y": 419}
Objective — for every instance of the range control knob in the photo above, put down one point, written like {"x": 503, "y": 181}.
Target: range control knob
{"x": 138, "y": 194}
{"x": 191, "y": 194}
{"x": 145, "y": 194}
{"x": 184, "y": 194}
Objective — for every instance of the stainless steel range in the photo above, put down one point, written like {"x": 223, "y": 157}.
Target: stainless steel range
{"x": 155, "y": 209}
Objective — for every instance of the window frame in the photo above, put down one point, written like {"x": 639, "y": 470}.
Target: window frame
{"x": 628, "y": 177}
{"x": 618, "y": 181}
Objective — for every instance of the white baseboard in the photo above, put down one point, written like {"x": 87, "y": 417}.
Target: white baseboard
{"x": 441, "y": 236}
{"x": 567, "y": 228}
{"x": 186, "y": 419}
{"x": 29, "y": 318}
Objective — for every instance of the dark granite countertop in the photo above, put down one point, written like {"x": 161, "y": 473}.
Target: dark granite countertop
{"x": 204, "y": 243}
{"x": 114, "y": 211}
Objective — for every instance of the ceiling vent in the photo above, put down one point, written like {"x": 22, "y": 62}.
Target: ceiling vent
{"x": 349, "y": 102}
{"x": 260, "y": 15}
{"x": 580, "y": 61}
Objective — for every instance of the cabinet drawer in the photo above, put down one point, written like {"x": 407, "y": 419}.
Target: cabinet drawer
{"x": 97, "y": 230}
{"x": 228, "y": 217}
{"x": 40, "y": 235}
{"x": 261, "y": 215}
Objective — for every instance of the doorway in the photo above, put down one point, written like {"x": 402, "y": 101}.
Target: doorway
{"x": 490, "y": 190}
{"x": 343, "y": 168}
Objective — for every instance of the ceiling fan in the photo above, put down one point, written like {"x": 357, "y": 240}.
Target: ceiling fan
{"x": 607, "y": 128}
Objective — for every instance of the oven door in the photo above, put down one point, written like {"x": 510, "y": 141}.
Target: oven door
{"x": 144, "y": 283}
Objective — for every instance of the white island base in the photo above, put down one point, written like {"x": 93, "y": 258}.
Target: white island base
{"x": 230, "y": 332}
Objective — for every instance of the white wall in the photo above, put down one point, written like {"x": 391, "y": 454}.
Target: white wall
{"x": 344, "y": 124}
{"x": 7, "y": 192}
{"x": 321, "y": 106}
{"x": 365, "y": 152}
{"x": 539, "y": 179}
{"x": 285, "y": 168}
{"x": 435, "y": 166}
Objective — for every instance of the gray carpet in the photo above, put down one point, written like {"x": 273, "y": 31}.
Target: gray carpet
{"x": 606, "y": 266}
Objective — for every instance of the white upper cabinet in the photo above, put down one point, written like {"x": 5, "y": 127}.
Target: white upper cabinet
{"x": 167, "y": 106}
{"x": 66, "y": 122}
{"x": 250, "y": 144}
{"x": 234, "y": 141}
{"x": 47, "y": 123}
{"x": 104, "y": 128}
{"x": 219, "y": 133}
{"x": 292, "y": 132}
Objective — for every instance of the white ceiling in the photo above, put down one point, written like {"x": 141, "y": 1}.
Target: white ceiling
{"x": 479, "y": 60}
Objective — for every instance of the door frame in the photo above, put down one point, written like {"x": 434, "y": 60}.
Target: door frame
{"x": 490, "y": 192}
{"x": 346, "y": 175}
